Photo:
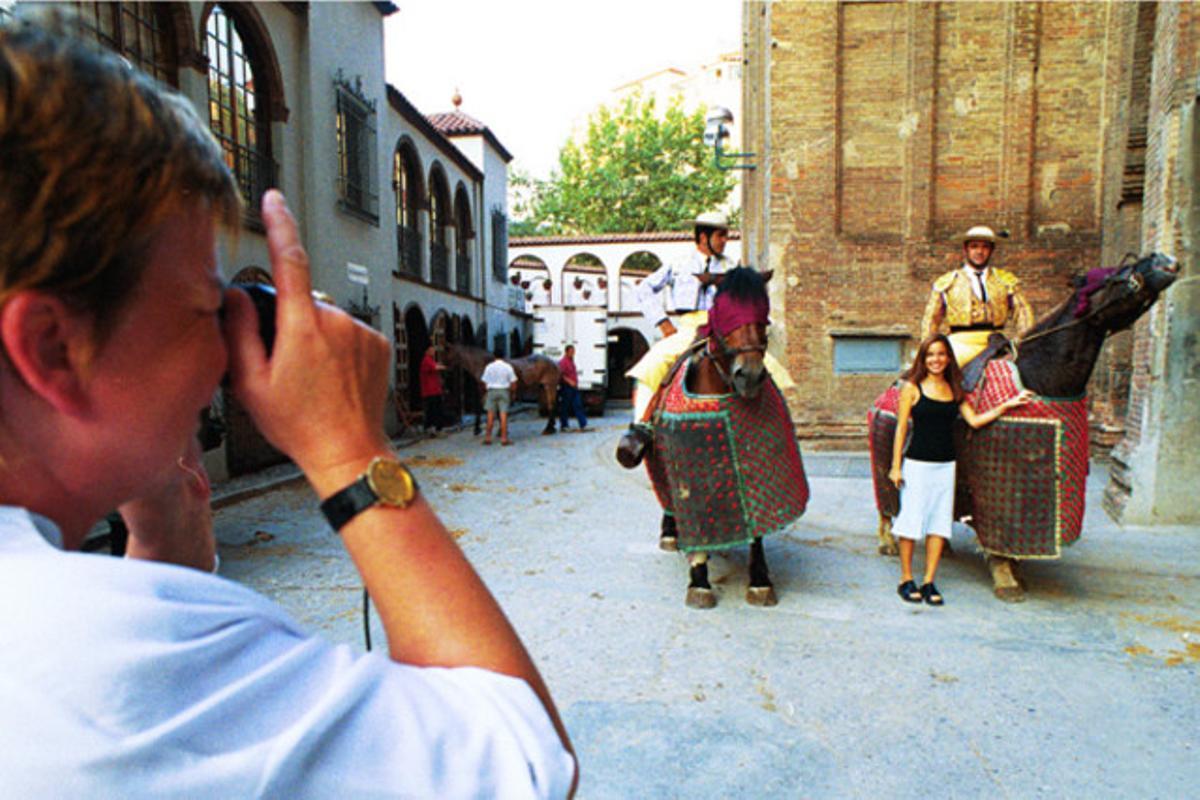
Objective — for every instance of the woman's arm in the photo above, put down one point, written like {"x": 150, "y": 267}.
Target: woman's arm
{"x": 908, "y": 396}
{"x": 976, "y": 420}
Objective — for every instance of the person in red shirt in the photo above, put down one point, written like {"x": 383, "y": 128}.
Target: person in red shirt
{"x": 431, "y": 390}
{"x": 570, "y": 401}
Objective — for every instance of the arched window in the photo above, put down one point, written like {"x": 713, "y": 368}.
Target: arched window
{"x": 237, "y": 108}
{"x": 141, "y": 32}
{"x": 406, "y": 180}
{"x": 463, "y": 235}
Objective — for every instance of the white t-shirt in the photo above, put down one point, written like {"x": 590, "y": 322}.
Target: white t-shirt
{"x": 498, "y": 375}
{"x": 137, "y": 679}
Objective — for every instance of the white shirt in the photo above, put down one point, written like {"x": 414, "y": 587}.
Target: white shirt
{"x": 684, "y": 291}
{"x": 970, "y": 273}
{"x": 125, "y": 678}
{"x": 498, "y": 375}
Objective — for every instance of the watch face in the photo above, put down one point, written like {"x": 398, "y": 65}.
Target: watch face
{"x": 391, "y": 482}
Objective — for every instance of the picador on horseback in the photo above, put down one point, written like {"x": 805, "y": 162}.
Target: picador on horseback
{"x": 690, "y": 287}
{"x": 975, "y": 300}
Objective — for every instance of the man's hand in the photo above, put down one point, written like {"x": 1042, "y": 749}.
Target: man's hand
{"x": 172, "y": 522}
{"x": 667, "y": 328}
{"x": 320, "y": 397}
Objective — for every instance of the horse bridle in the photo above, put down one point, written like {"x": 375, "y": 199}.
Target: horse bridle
{"x": 1136, "y": 281}
{"x": 723, "y": 350}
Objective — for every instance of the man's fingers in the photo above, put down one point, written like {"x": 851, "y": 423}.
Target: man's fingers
{"x": 289, "y": 261}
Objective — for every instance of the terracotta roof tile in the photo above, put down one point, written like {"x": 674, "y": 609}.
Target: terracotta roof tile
{"x": 450, "y": 123}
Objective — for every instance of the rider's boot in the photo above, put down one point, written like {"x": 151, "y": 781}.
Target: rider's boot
{"x": 634, "y": 445}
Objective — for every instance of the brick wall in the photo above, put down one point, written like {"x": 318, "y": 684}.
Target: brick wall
{"x": 1157, "y": 463}
{"x": 894, "y": 127}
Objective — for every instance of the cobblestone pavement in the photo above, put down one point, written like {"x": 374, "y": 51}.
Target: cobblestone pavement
{"x": 1087, "y": 689}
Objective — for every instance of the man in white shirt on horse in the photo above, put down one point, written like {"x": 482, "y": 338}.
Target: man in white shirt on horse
{"x": 689, "y": 287}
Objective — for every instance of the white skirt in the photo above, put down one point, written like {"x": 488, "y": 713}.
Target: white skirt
{"x": 926, "y": 499}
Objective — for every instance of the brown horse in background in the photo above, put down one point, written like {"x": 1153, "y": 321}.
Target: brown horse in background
{"x": 535, "y": 374}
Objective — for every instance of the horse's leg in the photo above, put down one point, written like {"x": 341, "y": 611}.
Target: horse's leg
{"x": 761, "y": 592}
{"x": 668, "y": 538}
{"x": 887, "y": 542}
{"x": 699, "y": 592}
{"x": 548, "y": 393}
{"x": 1005, "y": 583}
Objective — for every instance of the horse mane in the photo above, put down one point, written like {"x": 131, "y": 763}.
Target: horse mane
{"x": 743, "y": 283}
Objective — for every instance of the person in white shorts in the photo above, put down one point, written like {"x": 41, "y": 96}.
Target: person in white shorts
{"x": 932, "y": 398}
{"x": 499, "y": 381}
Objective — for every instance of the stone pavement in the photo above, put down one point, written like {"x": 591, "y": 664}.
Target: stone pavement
{"x": 1087, "y": 689}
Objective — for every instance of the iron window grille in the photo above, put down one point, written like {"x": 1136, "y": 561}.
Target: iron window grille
{"x": 135, "y": 31}
{"x": 408, "y": 247}
{"x": 408, "y": 236}
{"x": 499, "y": 245}
{"x": 439, "y": 264}
{"x": 462, "y": 272}
{"x": 356, "y": 121}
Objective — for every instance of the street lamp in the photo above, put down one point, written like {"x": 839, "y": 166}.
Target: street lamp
{"x": 715, "y": 131}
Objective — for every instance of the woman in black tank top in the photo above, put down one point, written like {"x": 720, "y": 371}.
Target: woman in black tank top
{"x": 931, "y": 399}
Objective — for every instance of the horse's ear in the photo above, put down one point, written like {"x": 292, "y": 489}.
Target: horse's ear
{"x": 766, "y": 275}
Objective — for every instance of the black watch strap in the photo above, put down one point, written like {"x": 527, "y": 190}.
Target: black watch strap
{"x": 345, "y": 505}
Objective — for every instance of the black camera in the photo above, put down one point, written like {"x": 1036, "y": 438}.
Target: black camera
{"x": 264, "y": 308}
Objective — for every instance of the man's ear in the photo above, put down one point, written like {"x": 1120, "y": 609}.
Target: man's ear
{"x": 47, "y": 345}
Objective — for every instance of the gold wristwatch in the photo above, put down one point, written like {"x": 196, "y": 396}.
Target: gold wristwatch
{"x": 386, "y": 482}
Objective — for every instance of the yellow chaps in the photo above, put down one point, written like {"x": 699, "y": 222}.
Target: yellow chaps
{"x": 653, "y": 367}
{"x": 968, "y": 344}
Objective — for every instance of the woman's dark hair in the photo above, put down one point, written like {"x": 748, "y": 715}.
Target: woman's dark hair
{"x": 917, "y": 372}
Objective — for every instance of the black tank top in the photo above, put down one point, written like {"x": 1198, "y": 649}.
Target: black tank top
{"x": 933, "y": 429}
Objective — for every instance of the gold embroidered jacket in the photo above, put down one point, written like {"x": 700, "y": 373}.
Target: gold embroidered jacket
{"x": 952, "y": 303}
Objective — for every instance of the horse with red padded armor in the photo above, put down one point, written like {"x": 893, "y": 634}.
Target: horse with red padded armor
{"x": 724, "y": 463}
{"x": 1022, "y": 479}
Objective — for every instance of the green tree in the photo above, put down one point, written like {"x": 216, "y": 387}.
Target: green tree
{"x": 634, "y": 171}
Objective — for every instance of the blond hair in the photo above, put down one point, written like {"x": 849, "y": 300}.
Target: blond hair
{"x": 94, "y": 155}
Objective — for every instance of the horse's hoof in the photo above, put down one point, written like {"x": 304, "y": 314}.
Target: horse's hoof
{"x": 761, "y": 596}
{"x": 1005, "y": 583}
{"x": 668, "y": 543}
{"x": 1009, "y": 594}
{"x": 698, "y": 597}
{"x": 888, "y": 549}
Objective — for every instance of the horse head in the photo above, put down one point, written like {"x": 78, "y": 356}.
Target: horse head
{"x": 1113, "y": 299}
{"x": 1057, "y": 355}
{"x": 737, "y": 330}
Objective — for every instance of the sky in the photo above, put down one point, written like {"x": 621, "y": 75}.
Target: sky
{"x": 530, "y": 69}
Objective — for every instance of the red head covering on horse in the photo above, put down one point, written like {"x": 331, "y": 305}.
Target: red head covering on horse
{"x": 730, "y": 313}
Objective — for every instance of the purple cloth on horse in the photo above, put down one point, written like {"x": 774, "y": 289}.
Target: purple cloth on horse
{"x": 728, "y": 314}
{"x": 1091, "y": 284}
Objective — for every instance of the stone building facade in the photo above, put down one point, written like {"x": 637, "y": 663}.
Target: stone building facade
{"x": 883, "y": 130}
{"x": 404, "y": 229}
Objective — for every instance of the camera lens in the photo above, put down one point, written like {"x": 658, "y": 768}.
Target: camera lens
{"x": 263, "y": 297}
